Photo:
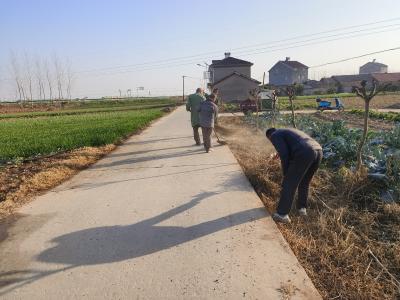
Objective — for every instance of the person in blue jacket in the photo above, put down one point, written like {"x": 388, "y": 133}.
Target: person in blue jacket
{"x": 300, "y": 158}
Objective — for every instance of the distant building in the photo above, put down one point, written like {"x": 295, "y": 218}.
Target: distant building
{"x": 388, "y": 78}
{"x": 345, "y": 83}
{"x": 373, "y": 67}
{"x": 232, "y": 77}
{"x": 287, "y": 72}
{"x": 323, "y": 86}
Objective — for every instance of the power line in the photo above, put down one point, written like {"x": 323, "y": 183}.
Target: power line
{"x": 354, "y": 57}
{"x": 238, "y": 48}
{"x": 169, "y": 65}
{"x": 330, "y": 36}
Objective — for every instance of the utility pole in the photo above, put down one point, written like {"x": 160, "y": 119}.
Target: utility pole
{"x": 183, "y": 88}
{"x": 206, "y": 76}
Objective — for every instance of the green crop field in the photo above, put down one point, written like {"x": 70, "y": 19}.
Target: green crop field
{"x": 29, "y": 137}
{"x": 387, "y": 116}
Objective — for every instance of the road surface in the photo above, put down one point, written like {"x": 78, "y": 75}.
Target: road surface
{"x": 156, "y": 219}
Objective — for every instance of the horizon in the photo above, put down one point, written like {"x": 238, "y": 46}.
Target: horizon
{"x": 124, "y": 45}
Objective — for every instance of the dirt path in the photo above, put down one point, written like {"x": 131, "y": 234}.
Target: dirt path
{"x": 156, "y": 219}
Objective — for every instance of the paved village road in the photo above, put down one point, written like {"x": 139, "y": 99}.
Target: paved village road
{"x": 156, "y": 219}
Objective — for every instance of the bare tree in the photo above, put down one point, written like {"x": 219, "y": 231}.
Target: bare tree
{"x": 16, "y": 71}
{"x": 59, "y": 74}
{"x": 28, "y": 76}
{"x": 49, "y": 80}
{"x": 291, "y": 94}
{"x": 40, "y": 78}
{"x": 69, "y": 78}
{"x": 367, "y": 97}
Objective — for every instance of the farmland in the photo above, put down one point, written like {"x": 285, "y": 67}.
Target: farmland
{"x": 24, "y": 138}
{"x": 356, "y": 225}
{"x": 381, "y": 101}
{"x": 46, "y": 129}
{"x": 43, "y": 146}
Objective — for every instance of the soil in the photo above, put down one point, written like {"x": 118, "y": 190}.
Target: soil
{"x": 19, "y": 183}
{"x": 17, "y": 108}
{"x": 355, "y": 121}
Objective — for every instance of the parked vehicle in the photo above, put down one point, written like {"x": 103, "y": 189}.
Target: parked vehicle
{"x": 248, "y": 106}
{"x": 327, "y": 105}
{"x": 267, "y": 102}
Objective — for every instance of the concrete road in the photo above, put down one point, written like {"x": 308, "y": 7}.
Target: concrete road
{"x": 156, "y": 219}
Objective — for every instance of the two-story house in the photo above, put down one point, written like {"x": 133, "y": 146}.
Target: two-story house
{"x": 287, "y": 72}
{"x": 232, "y": 76}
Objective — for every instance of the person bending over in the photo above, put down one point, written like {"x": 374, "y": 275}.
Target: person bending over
{"x": 300, "y": 158}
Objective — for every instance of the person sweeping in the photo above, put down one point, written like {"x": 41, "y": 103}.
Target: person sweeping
{"x": 300, "y": 158}
{"x": 208, "y": 115}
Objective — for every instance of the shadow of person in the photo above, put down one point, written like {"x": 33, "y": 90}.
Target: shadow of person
{"x": 118, "y": 243}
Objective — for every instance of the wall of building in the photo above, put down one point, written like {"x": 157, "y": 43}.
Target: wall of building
{"x": 282, "y": 75}
{"x": 220, "y": 73}
{"x": 369, "y": 69}
{"x": 235, "y": 89}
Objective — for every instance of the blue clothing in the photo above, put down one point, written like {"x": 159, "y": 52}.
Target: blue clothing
{"x": 208, "y": 113}
{"x": 291, "y": 144}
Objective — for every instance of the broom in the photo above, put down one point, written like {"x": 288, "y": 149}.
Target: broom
{"x": 221, "y": 142}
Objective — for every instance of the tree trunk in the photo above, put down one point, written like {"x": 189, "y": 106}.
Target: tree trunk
{"x": 292, "y": 108}
{"x": 364, "y": 137}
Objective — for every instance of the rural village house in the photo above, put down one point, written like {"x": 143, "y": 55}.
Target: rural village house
{"x": 388, "y": 78}
{"x": 345, "y": 83}
{"x": 373, "y": 67}
{"x": 288, "y": 72}
{"x": 232, "y": 77}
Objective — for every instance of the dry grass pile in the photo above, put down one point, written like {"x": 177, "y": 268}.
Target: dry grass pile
{"x": 350, "y": 243}
{"x": 21, "y": 182}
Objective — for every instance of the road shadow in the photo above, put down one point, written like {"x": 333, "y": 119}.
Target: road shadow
{"x": 108, "y": 244}
{"x": 202, "y": 167}
{"x": 147, "y": 151}
{"x": 155, "y": 140}
{"x": 134, "y": 160}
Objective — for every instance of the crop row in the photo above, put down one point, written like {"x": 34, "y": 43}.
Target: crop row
{"x": 24, "y": 138}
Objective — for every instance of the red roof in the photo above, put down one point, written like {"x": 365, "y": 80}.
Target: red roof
{"x": 386, "y": 77}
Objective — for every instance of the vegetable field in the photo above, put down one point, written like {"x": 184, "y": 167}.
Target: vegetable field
{"x": 349, "y": 244}
{"x": 29, "y": 137}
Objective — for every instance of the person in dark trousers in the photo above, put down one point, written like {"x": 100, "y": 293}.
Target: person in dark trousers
{"x": 193, "y": 105}
{"x": 300, "y": 158}
{"x": 208, "y": 115}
